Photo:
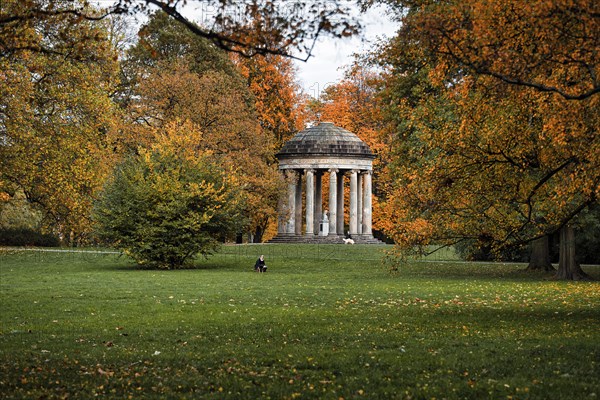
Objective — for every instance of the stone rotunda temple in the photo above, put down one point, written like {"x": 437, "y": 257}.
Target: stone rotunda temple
{"x": 304, "y": 160}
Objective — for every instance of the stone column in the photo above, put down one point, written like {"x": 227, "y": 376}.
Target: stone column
{"x": 340, "y": 204}
{"x": 353, "y": 202}
{"x": 298, "y": 208}
{"x": 291, "y": 202}
{"x": 333, "y": 201}
{"x": 310, "y": 201}
{"x": 359, "y": 205}
{"x": 282, "y": 216}
{"x": 318, "y": 201}
{"x": 367, "y": 205}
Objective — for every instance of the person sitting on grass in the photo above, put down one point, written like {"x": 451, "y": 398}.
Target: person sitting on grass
{"x": 260, "y": 266}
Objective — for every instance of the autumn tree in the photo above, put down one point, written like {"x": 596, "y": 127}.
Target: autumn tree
{"x": 352, "y": 104}
{"x": 20, "y": 222}
{"x": 176, "y": 76}
{"x": 496, "y": 116}
{"x": 278, "y": 98}
{"x": 546, "y": 45}
{"x": 16, "y": 212}
{"x": 279, "y": 105}
{"x": 56, "y": 115}
{"x": 169, "y": 202}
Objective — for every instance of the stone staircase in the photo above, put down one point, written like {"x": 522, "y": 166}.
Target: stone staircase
{"x": 332, "y": 239}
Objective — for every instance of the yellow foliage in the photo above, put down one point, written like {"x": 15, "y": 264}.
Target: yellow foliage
{"x": 60, "y": 120}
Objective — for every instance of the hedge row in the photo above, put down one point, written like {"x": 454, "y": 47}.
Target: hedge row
{"x": 27, "y": 237}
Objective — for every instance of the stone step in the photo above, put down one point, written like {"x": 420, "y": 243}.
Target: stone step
{"x": 358, "y": 239}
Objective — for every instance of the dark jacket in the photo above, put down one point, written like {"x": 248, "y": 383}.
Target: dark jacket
{"x": 259, "y": 264}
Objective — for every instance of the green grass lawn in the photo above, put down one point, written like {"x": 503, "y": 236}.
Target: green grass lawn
{"x": 326, "y": 322}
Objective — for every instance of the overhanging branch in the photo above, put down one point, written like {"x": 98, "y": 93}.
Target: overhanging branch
{"x": 540, "y": 87}
{"x": 223, "y": 41}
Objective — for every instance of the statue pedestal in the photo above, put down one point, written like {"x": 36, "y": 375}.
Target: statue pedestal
{"x": 324, "y": 225}
{"x": 324, "y": 229}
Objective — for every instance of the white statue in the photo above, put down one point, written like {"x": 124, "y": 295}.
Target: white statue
{"x": 324, "y": 231}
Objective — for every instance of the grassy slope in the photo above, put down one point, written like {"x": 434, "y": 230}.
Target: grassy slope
{"x": 326, "y": 322}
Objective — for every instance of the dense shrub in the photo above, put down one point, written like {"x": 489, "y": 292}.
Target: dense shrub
{"x": 587, "y": 235}
{"x": 470, "y": 250}
{"x": 27, "y": 237}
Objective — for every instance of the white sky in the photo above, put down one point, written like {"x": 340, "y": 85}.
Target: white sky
{"x": 331, "y": 55}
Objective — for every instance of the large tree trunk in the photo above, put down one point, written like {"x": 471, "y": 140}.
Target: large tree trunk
{"x": 539, "y": 258}
{"x": 568, "y": 267}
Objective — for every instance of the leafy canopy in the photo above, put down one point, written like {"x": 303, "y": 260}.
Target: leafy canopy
{"x": 57, "y": 119}
{"x": 181, "y": 77}
{"x": 495, "y": 126}
{"x": 279, "y": 27}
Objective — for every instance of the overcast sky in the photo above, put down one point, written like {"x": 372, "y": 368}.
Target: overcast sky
{"x": 331, "y": 55}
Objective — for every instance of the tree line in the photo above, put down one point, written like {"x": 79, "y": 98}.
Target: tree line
{"x": 484, "y": 116}
{"x": 81, "y": 113}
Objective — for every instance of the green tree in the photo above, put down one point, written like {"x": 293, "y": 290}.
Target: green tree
{"x": 177, "y": 76}
{"x": 17, "y": 213}
{"x": 170, "y": 202}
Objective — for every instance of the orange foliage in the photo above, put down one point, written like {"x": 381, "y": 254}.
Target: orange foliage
{"x": 510, "y": 164}
{"x": 549, "y": 45}
{"x": 495, "y": 111}
{"x": 278, "y": 102}
{"x": 277, "y": 95}
{"x": 219, "y": 107}
{"x": 352, "y": 105}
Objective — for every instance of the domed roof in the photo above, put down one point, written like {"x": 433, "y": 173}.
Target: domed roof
{"x": 325, "y": 139}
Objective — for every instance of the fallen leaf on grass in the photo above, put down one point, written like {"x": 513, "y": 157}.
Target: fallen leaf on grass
{"x": 105, "y": 373}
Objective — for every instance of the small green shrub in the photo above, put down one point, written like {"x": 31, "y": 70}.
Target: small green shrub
{"x": 168, "y": 204}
